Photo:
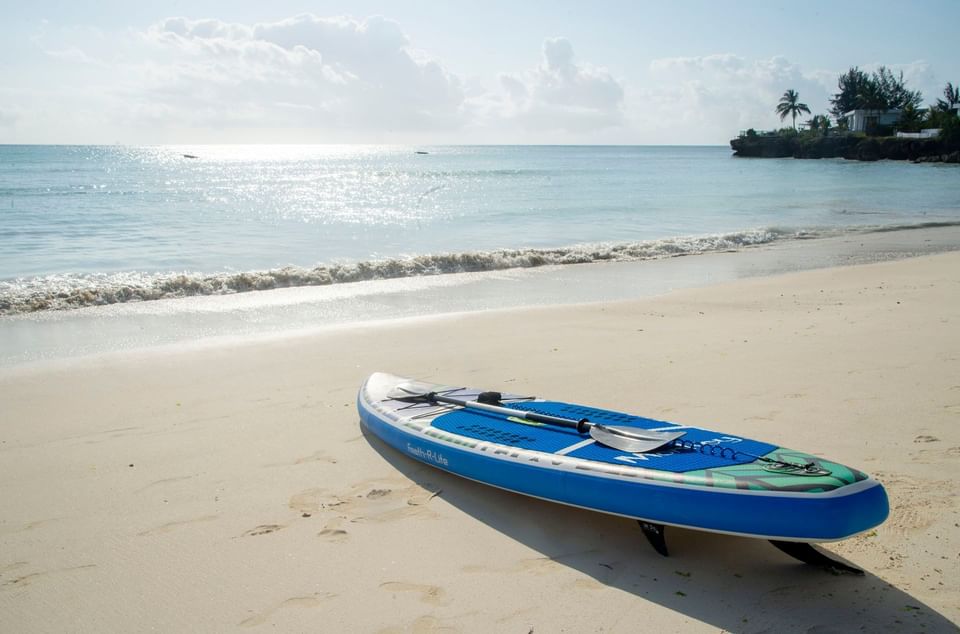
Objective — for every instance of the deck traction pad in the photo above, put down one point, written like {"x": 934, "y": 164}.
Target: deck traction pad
{"x": 549, "y": 439}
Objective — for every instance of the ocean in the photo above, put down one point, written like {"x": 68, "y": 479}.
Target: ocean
{"x": 92, "y": 233}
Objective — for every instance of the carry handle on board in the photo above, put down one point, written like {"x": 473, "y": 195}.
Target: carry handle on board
{"x": 490, "y": 401}
{"x": 629, "y": 439}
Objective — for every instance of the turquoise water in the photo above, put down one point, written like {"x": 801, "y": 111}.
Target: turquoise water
{"x": 87, "y": 225}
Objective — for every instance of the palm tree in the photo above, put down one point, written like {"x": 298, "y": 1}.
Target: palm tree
{"x": 819, "y": 123}
{"x": 789, "y": 104}
{"x": 952, "y": 98}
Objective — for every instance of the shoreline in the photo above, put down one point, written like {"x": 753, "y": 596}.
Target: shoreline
{"x": 38, "y": 338}
{"x": 53, "y": 293}
{"x": 233, "y": 482}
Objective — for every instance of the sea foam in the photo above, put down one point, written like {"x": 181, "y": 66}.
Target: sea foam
{"x": 61, "y": 292}
{"x": 68, "y": 291}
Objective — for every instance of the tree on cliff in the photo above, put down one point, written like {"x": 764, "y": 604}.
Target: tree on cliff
{"x": 819, "y": 124}
{"x": 790, "y": 105}
{"x": 952, "y": 96}
{"x": 894, "y": 94}
{"x": 943, "y": 114}
{"x": 911, "y": 119}
{"x": 880, "y": 91}
{"x": 851, "y": 84}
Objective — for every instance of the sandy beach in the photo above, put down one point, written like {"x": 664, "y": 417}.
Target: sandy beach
{"x": 229, "y": 487}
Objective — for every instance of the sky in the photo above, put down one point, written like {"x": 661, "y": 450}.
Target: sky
{"x": 456, "y": 72}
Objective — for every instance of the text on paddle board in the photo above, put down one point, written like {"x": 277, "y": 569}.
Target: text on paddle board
{"x": 427, "y": 454}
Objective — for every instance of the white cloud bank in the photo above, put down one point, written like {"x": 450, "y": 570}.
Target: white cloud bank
{"x": 563, "y": 95}
{"x": 315, "y": 79}
{"x": 302, "y": 72}
{"x": 343, "y": 77}
{"x": 710, "y": 98}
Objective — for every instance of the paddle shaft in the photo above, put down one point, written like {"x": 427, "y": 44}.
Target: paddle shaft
{"x": 628, "y": 439}
{"x": 582, "y": 426}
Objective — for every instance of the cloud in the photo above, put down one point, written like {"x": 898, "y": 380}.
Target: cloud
{"x": 346, "y": 79}
{"x": 8, "y": 117}
{"x": 709, "y": 98}
{"x": 337, "y": 79}
{"x": 328, "y": 73}
{"x": 562, "y": 94}
{"x": 72, "y": 54}
{"x": 918, "y": 75}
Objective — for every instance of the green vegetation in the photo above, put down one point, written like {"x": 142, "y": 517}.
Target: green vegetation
{"x": 950, "y": 130}
{"x": 819, "y": 124}
{"x": 880, "y": 91}
{"x": 943, "y": 114}
{"x": 952, "y": 95}
{"x": 911, "y": 119}
{"x": 790, "y": 105}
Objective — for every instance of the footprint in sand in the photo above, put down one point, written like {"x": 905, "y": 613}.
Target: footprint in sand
{"x": 310, "y": 601}
{"x": 539, "y": 565}
{"x": 394, "y": 505}
{"x": 9, "y": 568}
{"x": 423, "y": 495}
{"x": 317, "y": 456}
{"x": 428, "y": 593}
{"x": 588, "y": 584}
{"x": 536, "y": 565}
{"x": 263, "y": 529}
{"x": 312, "y": 501}
{"x": 374, "y": 500}
{"x": 27, "y": 579}
{"x": 332, "y": 532}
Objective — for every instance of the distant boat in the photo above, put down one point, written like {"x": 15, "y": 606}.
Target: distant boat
{"x": 190, "y": 156}
{"x": 421, "y": 152}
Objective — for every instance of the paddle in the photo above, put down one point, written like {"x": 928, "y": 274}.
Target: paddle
{"x": 630, "y": 439}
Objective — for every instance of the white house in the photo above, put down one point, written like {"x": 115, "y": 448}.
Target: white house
{"x": 863, "y": 120}
{"x": 926, "y": 133}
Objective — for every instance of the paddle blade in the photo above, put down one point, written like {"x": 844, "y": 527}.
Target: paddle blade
{"x": 632, "y": 439}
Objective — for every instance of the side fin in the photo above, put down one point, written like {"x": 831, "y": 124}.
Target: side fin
{"x": 810, "y": 555}
{"x": 655, "y": 535}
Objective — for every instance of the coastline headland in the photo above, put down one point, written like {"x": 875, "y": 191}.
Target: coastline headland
{"x": 851, "y": 147}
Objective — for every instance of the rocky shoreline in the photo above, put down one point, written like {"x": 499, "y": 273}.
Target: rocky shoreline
{"x": 856, "y": 148}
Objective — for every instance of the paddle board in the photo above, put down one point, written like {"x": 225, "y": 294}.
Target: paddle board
{"x": 704, "y": 480}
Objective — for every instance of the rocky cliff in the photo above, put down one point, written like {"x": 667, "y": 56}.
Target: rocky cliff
{"x": 849, "y": 147}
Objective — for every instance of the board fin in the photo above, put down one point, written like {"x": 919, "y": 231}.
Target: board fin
{"x": 810, "y": 555}
{"x": 655, "y": 535}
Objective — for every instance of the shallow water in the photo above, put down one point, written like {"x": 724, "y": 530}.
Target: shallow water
{"x": 93, "y": 225}
{"x": 227, "y": 319}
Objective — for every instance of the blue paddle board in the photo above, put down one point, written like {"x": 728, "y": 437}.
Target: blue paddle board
{"x": 705, "y": 480}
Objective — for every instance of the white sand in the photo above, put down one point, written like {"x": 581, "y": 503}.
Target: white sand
{"x": 230, "y": 488}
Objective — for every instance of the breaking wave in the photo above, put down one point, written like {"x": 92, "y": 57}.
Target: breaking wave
{"x": 61, "y": 292}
